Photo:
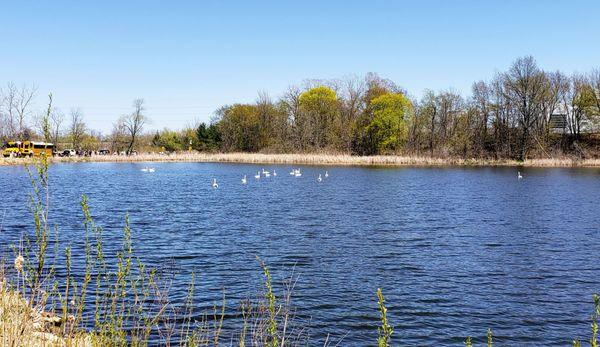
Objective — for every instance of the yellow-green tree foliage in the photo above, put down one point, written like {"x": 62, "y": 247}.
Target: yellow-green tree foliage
{"x": 168, "y": 140}
{"x": 319, "y": 122}
{"x": 239, "y": 126}
{"x": 388, "y": 127}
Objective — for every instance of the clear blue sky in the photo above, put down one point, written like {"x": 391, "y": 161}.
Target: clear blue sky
{"x": 188, "y": 58}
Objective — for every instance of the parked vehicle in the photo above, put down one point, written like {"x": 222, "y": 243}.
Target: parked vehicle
{"x": 37, "y": 149}
{"x": 68, "y": 153}
{"x": 11, "y": 149}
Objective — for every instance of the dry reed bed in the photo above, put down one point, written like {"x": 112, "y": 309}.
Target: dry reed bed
{"x": 318, "y": 159}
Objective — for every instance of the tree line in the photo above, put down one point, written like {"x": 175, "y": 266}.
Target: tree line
{"x": 523, "y": 111}
{"x": 518, "y": 113}
{"x": 19, "y": 122}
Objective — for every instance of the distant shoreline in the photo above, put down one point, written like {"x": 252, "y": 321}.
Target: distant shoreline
{"x": 315, "y": 159}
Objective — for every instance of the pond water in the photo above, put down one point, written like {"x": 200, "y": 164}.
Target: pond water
{"x": 455, "y": 250}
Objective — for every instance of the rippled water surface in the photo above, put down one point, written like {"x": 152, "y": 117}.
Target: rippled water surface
{"x": 455, "y": 250}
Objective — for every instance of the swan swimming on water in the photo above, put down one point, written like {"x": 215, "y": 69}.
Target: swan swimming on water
{"x": 297, "y": 173}
{"x": 257, "y": 176}
{"x": 319, "y": 179}
{"x": 215, "y": 184}
{"x": 274, "y": 173}
{"x": 293, "y": 172}
{"x": 326, "y": 174}
{"x": 244, "y": 180}
{"x": 519, "y": 175}
{"x": 148, "y": 169}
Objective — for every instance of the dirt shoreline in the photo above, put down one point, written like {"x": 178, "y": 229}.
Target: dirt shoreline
{"x": 315, "y": 159}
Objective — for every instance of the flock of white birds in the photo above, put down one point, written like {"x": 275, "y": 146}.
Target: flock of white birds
{"x": 259, "y": 174}
{"x": 265, "y": 173}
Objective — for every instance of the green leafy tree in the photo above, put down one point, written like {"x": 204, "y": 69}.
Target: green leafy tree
{"x": 208, "y": 137}
{"x": 239, "y": 126}
{"x": 388, "y": 127}
{"x": 318, "y": 120}
{"x": 364, "y": 143}
{"x": 169, "y": 140}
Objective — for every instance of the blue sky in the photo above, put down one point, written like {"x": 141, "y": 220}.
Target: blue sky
{"x": 188, "y": 58}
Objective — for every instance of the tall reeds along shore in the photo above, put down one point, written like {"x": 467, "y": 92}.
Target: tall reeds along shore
{"x": 117, "y": 300}
{"x": 314, "y": 159}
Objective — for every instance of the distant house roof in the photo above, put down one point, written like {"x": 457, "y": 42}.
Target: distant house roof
{"x": 558, "y": 121}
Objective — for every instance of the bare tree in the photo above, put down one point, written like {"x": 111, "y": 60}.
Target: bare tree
{"x": 482, "y": 94}
{"x": 290, "y": 103}
{"x": 267, "y": 120}
{"x": 48, "y": 123}
{"x": 428, "y": 110}
{"x": 594, "y": 82}
{"x": 9, "y": 96}
{"x": 118, "y": 136}
{"x": 273, "y": 123}
{"x": 571, "y": 102}
{"x": 56, "y": 120}
{"x": 351, "y": 107}
{"x": 525, "y": 88}
{"x": 16, "y": 103}
{"x": 557, "y": 84}
{"x": 134, "y": 123}
{"x": 503, "y": 119}
{"x": 4, "y": 121}
{"x": 450, "y": 103}
{"x": 417, "y": 129}
{"x": 24, "y": 99}
{"x": 3, "y": 127}
{"x": 77, "y": 128}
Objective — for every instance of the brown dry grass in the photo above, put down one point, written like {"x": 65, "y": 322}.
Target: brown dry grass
{"x": 23, "y": 325}
{"x": 318, "y": 159}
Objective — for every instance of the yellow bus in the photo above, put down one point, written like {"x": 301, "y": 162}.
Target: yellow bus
{"x": 36, "y": 149}
{"x": 11, "y": 149}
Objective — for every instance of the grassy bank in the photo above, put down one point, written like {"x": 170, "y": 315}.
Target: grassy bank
{"x": 317, "y": 159}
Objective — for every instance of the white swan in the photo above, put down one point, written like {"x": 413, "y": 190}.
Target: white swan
{"x": 297, "y": 173}
{"x": 267, "y": 174}
{"x": 293, "y": 172}
{"x": 244, "y": 180}
{"x": 257, "y": 176}
{"x": 145, "y": 169}
{"x": 519, "y": 175}
{"x": 215, "y": 184}
{"x": 274, "y": 172}
{"x": 319, "y": 179}
{"x": 151, "y": 169}
{"x": 326, "y": 174}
